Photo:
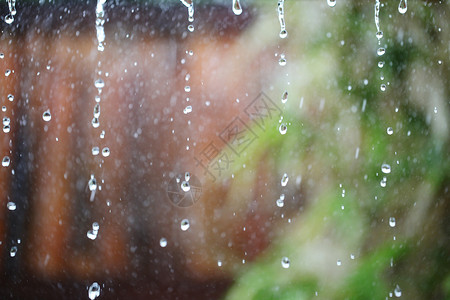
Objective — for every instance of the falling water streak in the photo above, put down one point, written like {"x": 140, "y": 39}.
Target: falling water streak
{"x": 190, "y": 6}
{"x": 283, "y": 32}
{"x": 9, "y": 18}
{"x": 237, "y": 8}
{"x": 403, "y": 6}
{"x": 377, "y": 15}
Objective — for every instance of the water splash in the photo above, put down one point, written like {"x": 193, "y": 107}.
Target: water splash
{"x": 403, "y": 6}
{"x": 283, "y": 32}
{"x": 237, "y": 8}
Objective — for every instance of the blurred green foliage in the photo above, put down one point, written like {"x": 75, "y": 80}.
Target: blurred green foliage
{"x": 339, "y": 53}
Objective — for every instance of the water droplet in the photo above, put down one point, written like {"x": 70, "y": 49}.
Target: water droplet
{"x": 237, "y": 8}
{"x": 163, "y": 242}
{"x": 2, "y": 55}
{"x": 9, "y": 19}
{"x": 187, "y": 176}
{"x": 3, "y": 108}
{"x": 94, "y": 291}
{"x": 331, "y": 3}
{"x": 6, "y": 128}
{"x": 397, "y": 291}
{"x": 403, "y": 6}
{"x": 102, "y": 134}
{"x": 92, "y": 234}
{"x": 95, "y": 122}
{"x": 381, "y": 51}
{"x": 385, "y": 168}
{"x": 284, "y": 98}
{"x": 380, "y": 64}
{"x": 95, "y": 150}
{"x": 392, "y": 221}
{"x": 11, "y": 205}
{"x": 6, "y": 121}
{"x": 187, "y": 89}
{"x": 352, "y": 256}
{"x": 95, "y": 226}
{"x": 282, "y": 128}
{"x": 383, "y": 182}
{"x": 185, "y": 186}
{"x": 283, "y": 32}
{"x": 285, "y": 262}
{"x": 280, "y": 201}
{"x": 92, "y": 183}
{"x": 6, "y": 161}
{"x": 284, "y": 179}
{"x": 339, "y": 262}
{"x": 7, "y": 72}
{"x": 185, "y": 224}
{"x": 13, "y": 251}
{"x": 282, "y": 61}
{"x": 187, "y": 109}
{"x": 389, "y": 130}
{"x": 383, "y": 87}
{"x": 379, "y": 34}
{"x": 106, "y": 152}
{"x": 46, "y": 116}
{"x": 99, "y": 83}
{"x": 191, "y": 28}
{"x": 97, "y": 110}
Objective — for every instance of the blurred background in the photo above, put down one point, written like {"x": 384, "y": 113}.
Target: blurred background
{"x": 227, "y": 160}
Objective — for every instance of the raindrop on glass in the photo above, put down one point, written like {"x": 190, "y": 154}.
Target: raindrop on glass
{"x": 187, "y": 109}
{"x": 97, "y": 110}
{"x": 99, "y": 83}
{"x": 379, "y": 34}
{"x": 381, "y": 51}
{"x": 237, "y": 8}
{"x": 280, "y": 201}
{"x": 331, "y": 3}
{"x": 6, "y": 121}
{"x": 46, "y": 116}
{"x": 403, "y": 6}
{"x": 385, "y": 168}
{"x": 282, "y": 60}
{"x": 163, "y": 242}
{"x": 284, "y": 98}
{"x": 95, "y": 122}
{"x": 185, "y": 186}
{"x": 282, "y": 128}
{"x": 92, "y": 234}
{"x": 397, "y": 292}
{"x": 285, "y": 263}
{"x": 95, "y": 150}
{"x": 184, "y": 224}
{"x": 389, "y": 130}
{"x": 284, "y": 179}
{"x": 13, "y": 251}
{"x": 94, "y": 291}
{"x": 11, "y": 205}
{"x": 92, "y": 183}
{"x": 9, "y": 19}
{"x": 6, "y": 161}
{"x": 392, "y": 221}
{"x": 106, "y": 152}
{"x": 380, "y": 64}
